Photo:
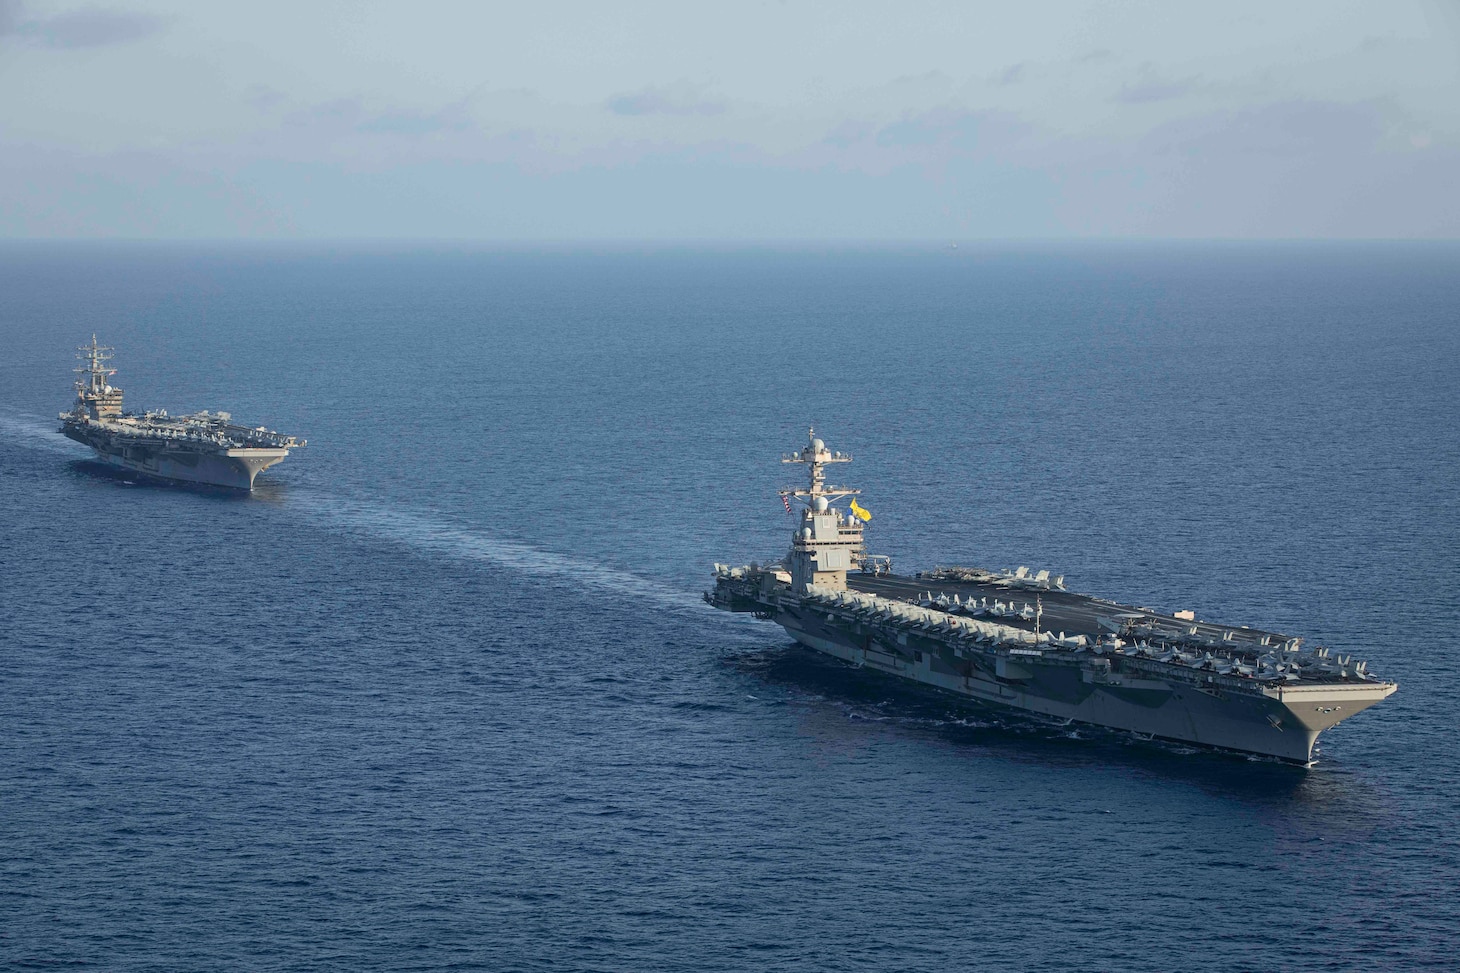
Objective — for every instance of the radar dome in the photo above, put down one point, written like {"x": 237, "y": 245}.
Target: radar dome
{"x": 821, "y": 505}
{"x": 818, "y": 445}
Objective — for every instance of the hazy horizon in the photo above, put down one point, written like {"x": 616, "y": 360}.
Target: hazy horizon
{"x": 774, "y": 123}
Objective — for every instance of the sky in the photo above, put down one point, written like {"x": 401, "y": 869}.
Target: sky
{"x": 786, "y": 120}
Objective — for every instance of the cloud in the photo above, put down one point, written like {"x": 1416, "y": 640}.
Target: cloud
{"x": 682, "y": 98}
{"x": 1292, "y": 168}
{"x": 930, "y": 140}
{"x": 351, "y": 114}
{"x": 87, "y": 27}
{"x": 409, "y": 123}
{"x": 1010, "y": 75}
{"x": 849, "y": 133}
{"x": 957, "y": 129}
{"x": 334, "y": 115}
{"x": 264, "y": 97}
{"x": 1319, "y": 132}
{"x": 1153, "y": 87}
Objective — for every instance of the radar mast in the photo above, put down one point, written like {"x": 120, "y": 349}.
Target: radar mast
{"x": 825, "y": 544}
{"x": 95, "y": 397}
{"x": 816, "y": 457}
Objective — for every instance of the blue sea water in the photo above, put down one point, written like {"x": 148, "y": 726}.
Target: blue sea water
{"x": 442, "y": 695}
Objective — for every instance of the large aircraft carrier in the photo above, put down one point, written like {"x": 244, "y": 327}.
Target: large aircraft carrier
{"x": 203, "y": 448}
{"x": 1021, "y": 640}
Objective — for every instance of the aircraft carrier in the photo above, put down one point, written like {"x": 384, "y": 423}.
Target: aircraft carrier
{"x": 203, "y": 448}
{"x": 1021, "y": 640}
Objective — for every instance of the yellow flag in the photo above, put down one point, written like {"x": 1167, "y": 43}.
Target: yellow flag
{"x": 862, "y": 512}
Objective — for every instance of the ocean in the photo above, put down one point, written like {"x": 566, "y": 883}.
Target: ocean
{"x": 442, "y": 694}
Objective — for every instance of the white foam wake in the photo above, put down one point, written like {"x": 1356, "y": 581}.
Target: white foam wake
{"x": 36, "y": 432}
{"x": 426, "y": 534}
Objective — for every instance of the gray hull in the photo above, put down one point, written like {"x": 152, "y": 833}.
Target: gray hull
{"x": 233, "y": 469}
{"x": 1116, "y": 689}
{"x": 1285, "y": 728}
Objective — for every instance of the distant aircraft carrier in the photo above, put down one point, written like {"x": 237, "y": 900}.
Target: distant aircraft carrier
{"x": 1020, "y": 640}
{"x": 204, "y": 448}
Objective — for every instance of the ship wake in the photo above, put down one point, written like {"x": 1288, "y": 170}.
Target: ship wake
{"x": 427, "y": 535}
{"x": 35, "y": 432}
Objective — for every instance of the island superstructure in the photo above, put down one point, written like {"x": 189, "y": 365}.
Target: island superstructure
{"x": 1021, "y": 640}
{"x": 203, "y": 448}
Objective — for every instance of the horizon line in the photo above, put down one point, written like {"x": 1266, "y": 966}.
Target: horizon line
{"x": 708, "y": 242}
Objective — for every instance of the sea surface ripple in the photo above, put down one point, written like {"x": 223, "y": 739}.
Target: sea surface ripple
{"x": 442, "y": 694}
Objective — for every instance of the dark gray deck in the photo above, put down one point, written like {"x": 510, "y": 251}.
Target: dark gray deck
{"x": 1067, "y": 611}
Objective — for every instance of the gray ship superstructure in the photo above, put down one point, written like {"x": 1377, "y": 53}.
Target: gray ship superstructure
{"x": 204, "y": 448}
{"x": 1020, "y": 640}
